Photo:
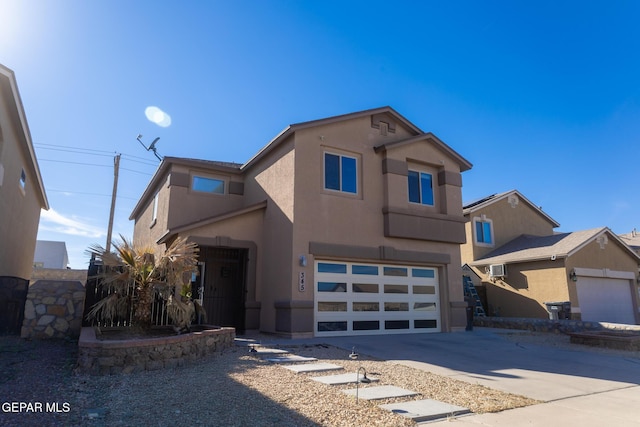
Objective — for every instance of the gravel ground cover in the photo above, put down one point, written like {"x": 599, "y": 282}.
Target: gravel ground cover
{"x": 234, "y": 388}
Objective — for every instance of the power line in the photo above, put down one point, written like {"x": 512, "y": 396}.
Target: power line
{"x": 87, "y": 194}
{"x": 74, "y": 163}
{"x": 92, "y": 152}
{"x": 74, "y": 148}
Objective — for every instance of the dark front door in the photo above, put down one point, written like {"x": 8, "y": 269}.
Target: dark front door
{"x": 224, "y": 286}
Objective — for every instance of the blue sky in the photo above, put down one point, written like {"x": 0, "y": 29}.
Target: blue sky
{"x": 540, "y": 96}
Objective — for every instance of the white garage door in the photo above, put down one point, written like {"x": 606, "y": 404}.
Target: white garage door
{"x": 605, "y": 300}
{"x": 367, "y": 299}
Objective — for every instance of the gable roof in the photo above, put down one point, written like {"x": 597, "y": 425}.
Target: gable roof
{"x": 16, "y": 110}
{"x": 165, "y": 166}
{"x": 430, "y": 137}
{"x": 419, "y": 134}
{"x": 537, "y": 248}
{"x": 281, "y": 137}
{"x": 477, "y": 205}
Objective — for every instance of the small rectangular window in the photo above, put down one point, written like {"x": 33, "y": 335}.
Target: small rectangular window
{"x": 208, "y": 185}
{"x": 396, "y": 324}
{"x": 396, "y": 306}
{"x": 424, "y": 290}
{"x": 340, "y": 173}
{"x": 366, "y": 306}
{"x": 332, "y": 306}
{"x": 371, "y": 270}
{"x": 396, "y": 289}
{"x": 366, "y": 325}
{"x": 420, "y": 186}
{"x": 366, "y": 288}
{"x": 326, "y": 267}
{"x": 425, "y": 324}
{"x": 332, "y": 287}
{"x": 395, "y": 271}
{"x": 332, "y": 326}
{"x": 423, "y": 272}
{"x": 424, "y": 306}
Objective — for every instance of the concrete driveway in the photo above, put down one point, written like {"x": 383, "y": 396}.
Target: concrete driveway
{"x": 578, "y": 387}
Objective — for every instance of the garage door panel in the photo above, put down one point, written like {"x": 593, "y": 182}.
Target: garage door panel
{"x": 605, "y": 300}
{"x": 359, "y": 298}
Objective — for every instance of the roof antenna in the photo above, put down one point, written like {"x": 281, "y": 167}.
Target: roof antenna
{"x": 152, "y": 147}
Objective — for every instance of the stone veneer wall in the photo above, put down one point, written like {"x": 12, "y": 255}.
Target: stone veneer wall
{"x": 544, "y": 325}
{"x": 53, "y": 309}
{"x": 106, "y": 357}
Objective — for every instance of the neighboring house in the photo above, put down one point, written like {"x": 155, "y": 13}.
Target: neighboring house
{"x": 632, "y": 240}
{"x": 50, "y": 254}
{"x": 524, "y": 265}
{"x": 22, "y": 196}
{"x": 340, "y": 226}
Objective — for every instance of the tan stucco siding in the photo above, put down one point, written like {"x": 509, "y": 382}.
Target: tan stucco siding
{"x": 526, "y": 288}
{"x": 187, "y": 205}
{"x": 273, "y": 179}
{"x": 19, "y": 209}
{"x": 612, "y": 257}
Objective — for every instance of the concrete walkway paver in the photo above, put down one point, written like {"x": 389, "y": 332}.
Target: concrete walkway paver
{"x": 313, "y": 367}
{"x": 425, "y": 410}
{"x": 379, "y": 392}
{"x": 342, "y": 379}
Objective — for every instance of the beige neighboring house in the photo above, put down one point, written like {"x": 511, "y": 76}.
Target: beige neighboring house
{"x": 524, "y": 265}
{"x": 340, "y": 226}
{"x": 22, "y": 194}
{"x": 632, "y": 240}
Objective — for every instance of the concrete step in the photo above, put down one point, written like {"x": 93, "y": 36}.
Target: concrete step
{"x": 379, "y": 392}
{"x": 289, "y": 358}
{"x": 425, "y": 410}
{"x": 341, "y": 379}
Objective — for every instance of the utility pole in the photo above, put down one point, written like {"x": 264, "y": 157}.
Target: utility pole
{"x": 116, "y": 168}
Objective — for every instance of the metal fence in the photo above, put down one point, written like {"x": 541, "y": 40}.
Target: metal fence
{"x": 96, "y": 291}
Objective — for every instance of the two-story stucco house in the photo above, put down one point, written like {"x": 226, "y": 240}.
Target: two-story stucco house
{"x": 22, "y": 197}
{"x": 340, "y": 226}
{"x": 525, "y": 267}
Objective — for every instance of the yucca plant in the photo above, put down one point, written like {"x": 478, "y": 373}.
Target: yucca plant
{"x": 135, "y": 277}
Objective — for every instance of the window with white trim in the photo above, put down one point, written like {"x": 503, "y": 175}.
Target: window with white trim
{"x": 483, "y": 231}
{"x": 154, "y": 212}
{"x": 420, "y": 186}
{"x": 340, "y": 173}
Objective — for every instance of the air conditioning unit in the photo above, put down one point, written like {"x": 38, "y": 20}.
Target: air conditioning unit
{"x": 497, "y": 270}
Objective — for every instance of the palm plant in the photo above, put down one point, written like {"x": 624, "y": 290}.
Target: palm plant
{"x": 135, "y": 277}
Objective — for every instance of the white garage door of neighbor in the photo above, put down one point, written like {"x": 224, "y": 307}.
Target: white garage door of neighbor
{"x": 605, "y": 300}
{"x": 368, "y": 299}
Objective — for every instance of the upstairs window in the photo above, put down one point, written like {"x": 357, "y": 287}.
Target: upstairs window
{"x": 483, "y": 229}
{"x": 420, "y": 187}
{"x": 340, "y": 173}
{"x": 207, "y": 185}
{"x": 154, "y": 213}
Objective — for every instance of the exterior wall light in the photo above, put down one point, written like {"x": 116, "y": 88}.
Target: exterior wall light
{"x": 303, "y": 261}
{"x": 573, "y": 276}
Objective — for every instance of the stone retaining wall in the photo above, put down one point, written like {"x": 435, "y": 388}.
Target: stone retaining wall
{"x": 104, "y": 357}
{"x": 53, "y": 309}
{"x": 546, "y": 325}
